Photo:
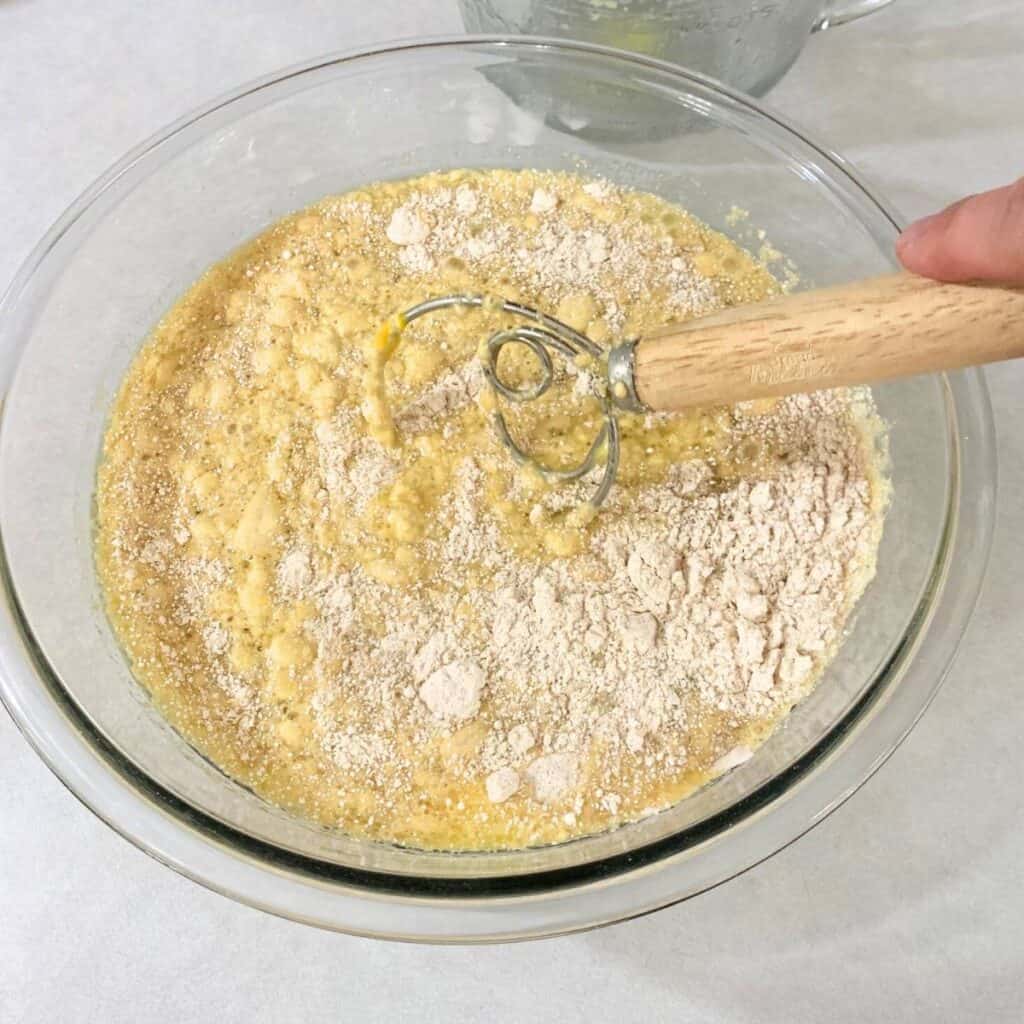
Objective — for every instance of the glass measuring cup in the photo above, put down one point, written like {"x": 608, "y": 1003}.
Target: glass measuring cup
{"x": 748, "y": 44}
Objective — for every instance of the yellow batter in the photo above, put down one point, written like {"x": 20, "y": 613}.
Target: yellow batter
{"x": 270, "y": 534}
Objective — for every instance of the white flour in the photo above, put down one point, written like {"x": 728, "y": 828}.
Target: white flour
{"x": 562, "y": 260}
{"x": 706, "y": 601}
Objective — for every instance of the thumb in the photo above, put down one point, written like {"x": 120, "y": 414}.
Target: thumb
{"x": 980, "y": 238}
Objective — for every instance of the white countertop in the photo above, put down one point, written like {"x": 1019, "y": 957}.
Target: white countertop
{"x": 905, "y": 905}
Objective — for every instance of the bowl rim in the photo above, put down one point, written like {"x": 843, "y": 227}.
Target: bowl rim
{"x": 292, "y": 886}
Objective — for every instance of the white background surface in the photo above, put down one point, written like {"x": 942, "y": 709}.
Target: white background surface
{"x": 905, "y": 905}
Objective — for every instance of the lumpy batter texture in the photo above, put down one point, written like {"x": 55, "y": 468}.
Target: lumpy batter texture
{"x": 335, "y": 584}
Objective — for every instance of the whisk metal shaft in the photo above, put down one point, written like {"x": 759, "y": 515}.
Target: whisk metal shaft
{"x": 543, "y": 335}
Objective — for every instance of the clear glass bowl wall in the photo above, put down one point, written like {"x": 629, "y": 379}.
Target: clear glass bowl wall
{"x": 129, "y": 247}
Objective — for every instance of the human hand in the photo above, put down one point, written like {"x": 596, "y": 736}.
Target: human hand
{"x": 980, "y": 238}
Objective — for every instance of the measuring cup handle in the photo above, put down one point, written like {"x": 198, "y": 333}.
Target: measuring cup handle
{"x": 839, "y": 12}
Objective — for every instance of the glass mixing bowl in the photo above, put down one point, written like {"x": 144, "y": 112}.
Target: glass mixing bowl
{"x": 86, "y": 298}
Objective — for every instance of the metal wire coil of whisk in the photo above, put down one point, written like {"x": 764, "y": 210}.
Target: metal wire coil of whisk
{"x": 542, "y": 335}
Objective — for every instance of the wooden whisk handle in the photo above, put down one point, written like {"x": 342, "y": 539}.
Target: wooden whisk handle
{"x": 891, "y": 326}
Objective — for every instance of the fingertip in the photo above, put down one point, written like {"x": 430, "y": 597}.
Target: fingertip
{"x": 912, "y": 248}
{"x": 914, "y": 232}
{"x": 979, "y": 238}
{"x": 924, "y": 247}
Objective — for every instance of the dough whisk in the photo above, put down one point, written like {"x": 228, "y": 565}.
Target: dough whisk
{"x": 891, "y": 326}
